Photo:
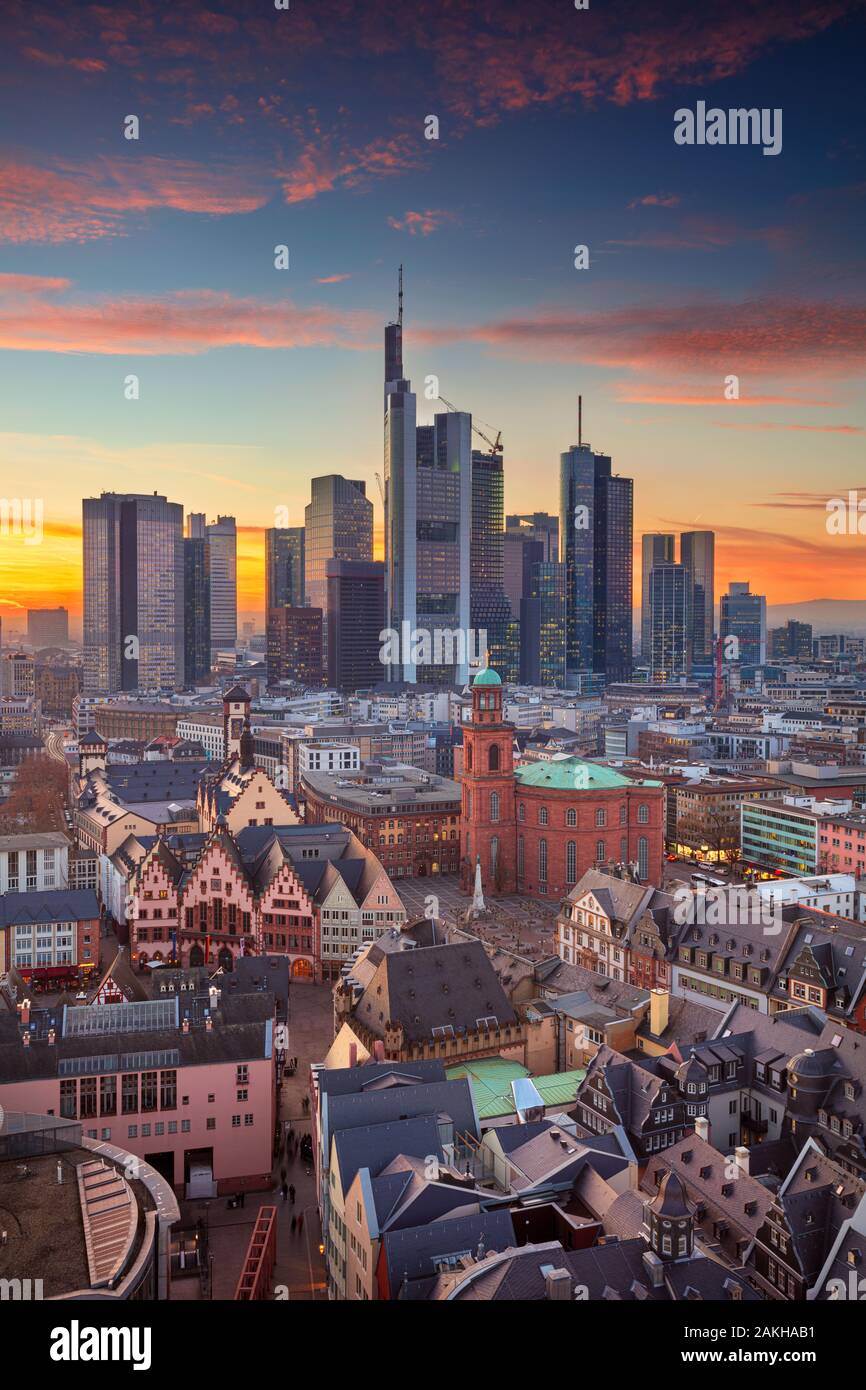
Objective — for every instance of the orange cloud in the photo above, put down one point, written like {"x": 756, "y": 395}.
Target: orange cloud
{"x": 423, "y": 222}
{"x": 183, "y": 322}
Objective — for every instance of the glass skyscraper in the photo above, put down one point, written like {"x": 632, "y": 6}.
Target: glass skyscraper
{"x": 669, "y": 612}
{"x": 338, "y": 525}
{"x": 196, "y": 609}
{"x": 222, "y": 543}
{"x": 284, "y": 567}
{"x": 697, "y": 556}
{"x": 743, "y": 616}
{"x": 490, "y": 609}
{"x": 595, "y": 540}
{"x": 657, "y": 548}
{"x": 133, "y": 593}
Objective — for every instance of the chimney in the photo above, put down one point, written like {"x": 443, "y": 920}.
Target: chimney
{"x": 379, "y": 1050}
{"x": 702, "y": 1128}
{"x": 654, "y": 1267}
{"x": 660, "y": 1010}
{"x": 741, "y": 1154}
{"x": 557, "y": 1285}
{"x": 353, "y": 1054}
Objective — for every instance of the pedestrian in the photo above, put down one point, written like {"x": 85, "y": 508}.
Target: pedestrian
{"x": 292, "y": 1194}
{"x": 283, "y": 1173}
{"x": 294, "y": 1224}
{"x": 300, "y": 1222}
{"x": 285, "y": 1192}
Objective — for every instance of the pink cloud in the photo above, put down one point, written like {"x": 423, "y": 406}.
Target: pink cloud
{"x": 423, "y": 222}
{"x": 332, "y": 279}
{"x": 82, "y": 202}
{"x": 656, "y": 200}
{"x": 763, "y": 335}
{"x": 185, "y": 322}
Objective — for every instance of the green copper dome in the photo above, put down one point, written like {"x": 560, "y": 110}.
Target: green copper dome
{"x": 487, "y": 677}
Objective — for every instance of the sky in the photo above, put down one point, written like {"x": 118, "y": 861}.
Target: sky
{"x": 305, "y": 127}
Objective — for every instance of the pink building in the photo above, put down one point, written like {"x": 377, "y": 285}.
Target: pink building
{"x": 186, "y": 1083}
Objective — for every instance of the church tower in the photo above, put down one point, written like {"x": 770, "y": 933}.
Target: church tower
{"x": 487, "y": 824}
{"x": 236, "y": 714}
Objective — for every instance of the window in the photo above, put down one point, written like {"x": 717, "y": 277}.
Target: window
{"x": 521, "y": 811}
{"x": 571, "y": 816}
{"x": 468, "y": 757}
{"x": 493, "y": 758}
{"x": 542, "y": 861}
{"x": 643, "y": 814}
{"x": 601, "y": 816}
{"x": 129, "y": 1094}
{"x": 494, "y": 806}
{"x": 643, "y": 856}
{"x": 571, "y": 862}
{"x": 520, "y": 857}
{"x": 108, "y": 1095}
{"x": 542, "y": 815}
{"x": 600, "y": 851}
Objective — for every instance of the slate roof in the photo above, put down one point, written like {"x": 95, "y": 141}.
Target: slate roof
{"x": 52, "y": 905}
{"x": 374, "y": 1146}
{"x": 409, "y": 1255}
{"x": 352, "y": 1110}
{"x": 432, "y": 987}
{"x": 742, "y": 1201}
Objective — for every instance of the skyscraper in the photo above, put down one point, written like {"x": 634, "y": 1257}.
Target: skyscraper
{"x": 543, "y": 625}
{"x": 196, "y": 608}
{"x": 133, "y": 593}
{"x": 669, "y": 614}
{"x": 743, "y": 616}
{"x": 697, "y": 556}
{"x": 338, "y": 525}
{"x": 657, "y": 548}
{"x": 489, "y": 607}
{"x": 793, "y": 641}
{"x": 284, "y": 567}
{"x": 356, "y": 616}
{"x": 428, "y": 524}
{"x": 595, "y": 545}
{"x": 222, "y": 543}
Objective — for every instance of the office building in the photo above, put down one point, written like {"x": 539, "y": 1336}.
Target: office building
{"x": 196, "y": 608}
{"x": 793, "y": 642}
{"x": 428, "y": 525}
{"x": 222, "y": 546}
{"x": 490, "y": 608}
{"x": 743, "y": 616}
{"x": 355, "y": 619}
{"x": 657, "y": 548}
{"x": 595, "y": 542}
{"x": 284, "y": 567}
{"x": 17, "y": 674}
{"x": 48, "y": 627}
{"x": 669, "y": 625}
{"x": 697, "y": 556}
{"x": 542, "y": 626}
{"x": 133, "y": 593}
{"x": 338, "y": 525}
{"x": 294, "y": 642}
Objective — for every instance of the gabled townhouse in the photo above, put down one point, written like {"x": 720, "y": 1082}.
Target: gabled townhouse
{"x": 803, "y": 1223}
{"x": 212, "y": 898}
{"x": 597, "y": 922}
{"x": 825, "y": 965}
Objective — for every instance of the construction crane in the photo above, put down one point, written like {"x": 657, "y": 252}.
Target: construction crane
{"x": 381, "y": 487}
{"x": 494, "y": 447}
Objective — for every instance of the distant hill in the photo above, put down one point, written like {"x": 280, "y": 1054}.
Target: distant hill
{"x": 846, "y": 615}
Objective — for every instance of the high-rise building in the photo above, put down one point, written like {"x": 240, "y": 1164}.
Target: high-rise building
{"x": 595, "y": 544}
{"x": 196, "y": 526}
{"x": 133, "y": 593}
{"x": 48, "y": 627}
{"x": 536, "y": 526}
{"x": 294, "y": 642}
{"x": 669, "y": 613}
{"x": 356, "y": 617}
{"x": 428, "y": 526}
{"x": 222, "y": 544}
{"x": 490, "y": 611}
{"x": 697, "y": 556}
{"x": 792, "y": 642}
{"x": 338, "y": 525}
{"x": 196, "y": 609}
{"x": 657, "y": 548}
{"x": 17, "y": 674}
{"x": 284, "y": 567}
{"x": 743, "y": 616}
{"x": 543, "y": 626}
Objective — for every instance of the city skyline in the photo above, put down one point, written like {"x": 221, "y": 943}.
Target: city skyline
{"x": 156, "y": 259}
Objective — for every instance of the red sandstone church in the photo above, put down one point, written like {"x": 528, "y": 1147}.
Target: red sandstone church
{"x": 539, "y": 827}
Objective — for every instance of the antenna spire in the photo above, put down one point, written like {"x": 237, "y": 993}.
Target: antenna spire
{"x": 579, "y": 421}
{"x": 400, "y": 300}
